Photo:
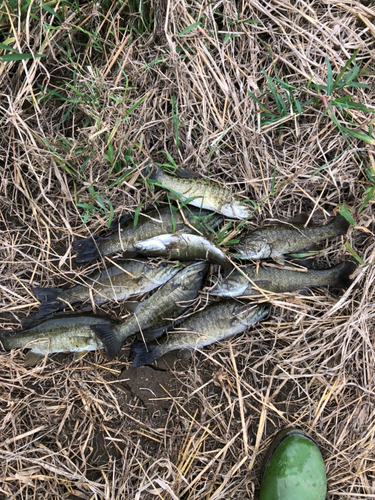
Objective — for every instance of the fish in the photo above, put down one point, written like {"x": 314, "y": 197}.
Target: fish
{"x": 277, "y": 240}
{"x": 155, "y": 314}
{"x": 167, "y": 220}
{"x": 282, "y": 280}
{"x": 118, "y": 282}
{"x": 199, "y": 192}
{"x": 183, "y": 247}
{"x": 215, "y": 323}
{"x": 59, "y": 333}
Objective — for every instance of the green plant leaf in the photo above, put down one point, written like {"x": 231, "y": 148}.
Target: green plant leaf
{"x": 370, "y": 194}
{"x": 344, "y": 211}
{"x": 358, "y": 135}
{"x": 329, "y": 78}
{"x": 137, "y": 212}
{"x": 189, "y": 28}
{"x": 354, "y": 253}
{"x": 340, "y": 75}
{"x": 50, "y": 11}
{"x": 258, "y": 102}
{"x": 20, "y": 57}
{"x": 135, "y": 105}
{"x": 6, "y": 47}
{"x": 111, "y": 214}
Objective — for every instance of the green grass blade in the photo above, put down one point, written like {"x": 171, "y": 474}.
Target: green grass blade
{"x": 329, "y": 78}
{"x": 19, "y": 57}
{"x": 354, "y": 253}
{"x": 340, "y": 75}
{"x": 189, "y": 28}
{"x": 358, "y": 135}
{"x": 344, "y": 211}
{"x": 50, "y": 11}
{"x": 369, "y": 196}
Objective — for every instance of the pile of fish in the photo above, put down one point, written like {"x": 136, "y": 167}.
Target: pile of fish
{"x": 181, "y": 235}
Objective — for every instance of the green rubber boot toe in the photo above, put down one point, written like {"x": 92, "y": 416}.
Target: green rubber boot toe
{"x": 293, "y": 468}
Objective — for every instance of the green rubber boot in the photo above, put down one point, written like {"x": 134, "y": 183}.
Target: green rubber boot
{"x": 293, "y": 468}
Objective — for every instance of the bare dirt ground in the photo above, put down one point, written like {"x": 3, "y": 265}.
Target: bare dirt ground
{"x": 240, "y": 92}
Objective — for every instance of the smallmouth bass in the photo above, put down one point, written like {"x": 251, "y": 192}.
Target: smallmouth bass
{"x": 183, "y": 247}
{"x": 282, "y": 280}
{"x": 154, "y": 315}
{"x": 200, "y": 192}
{"x": 154, "y": 223}
{"x": 215, "y": 323}
{"x": 61, "y": 333}
{"x": 277, "y": 240}
{"x": 118, "y": 282}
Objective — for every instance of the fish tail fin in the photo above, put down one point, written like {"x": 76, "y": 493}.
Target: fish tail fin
{"x": 107, "y": 333}
{"x": 48, "y": 298}
{"x": 86, "y": 250}
{"x": 152, "y": 171}
{"x": 144, "y": 354}
{"x": 340, "y": 224}
{"x": 344, "y": 271}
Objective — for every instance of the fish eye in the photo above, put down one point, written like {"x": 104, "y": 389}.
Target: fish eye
{"x": 164, "y": 264}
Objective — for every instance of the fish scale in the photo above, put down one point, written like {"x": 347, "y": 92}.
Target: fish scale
{"x": 115, "y": 283}
{"x": 157, "y": 222}
{"x": 155, "y": 314}
{"x": 60, "y": 333}
{"x": 277, "y": 240}
{"x": 200, "y": 192}
{"x": 215, "y": 323}
{"x": 282, "y": 280}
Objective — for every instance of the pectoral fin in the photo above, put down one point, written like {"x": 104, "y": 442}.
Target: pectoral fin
{"x": 79, "y": 355}
{"x": 33, "y": 358}
{"x": 185, "y": 354}
{"x": 279, "y": 259}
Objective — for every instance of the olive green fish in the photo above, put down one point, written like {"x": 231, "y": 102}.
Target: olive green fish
{"x": 117, "y": 282}
{"x": 276, "y": 241}
{"x": 200, "y": 192}
{"x": 154, "y": 223}
{"x": 154, "y": 315}
{"x": 215, "y": 323}
{"x": 282, "y": 280}
{"x": 183, "y": 247}
{"x": 60, "y": 333}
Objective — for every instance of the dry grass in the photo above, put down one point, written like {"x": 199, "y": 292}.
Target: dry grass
{"x": 92, "y": 429}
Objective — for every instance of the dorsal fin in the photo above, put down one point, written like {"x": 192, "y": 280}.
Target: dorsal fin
{"x": 301, "y": 218}
{"x": 120, "y": 221}
{"x": 185, "y": 173}
{"x": 32, "y": 321}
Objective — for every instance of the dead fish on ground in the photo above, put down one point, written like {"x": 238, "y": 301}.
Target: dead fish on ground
{"x": 60, "y": 333}
{"x": 163, "y": 221}
{"x": 154, "y": 315}
{"x": 117, "y": 282}
{"x": 282, "y": 280}
{"x": 199, "y": 192}
{"x": 183, "y": 247}
{"x": 277, "y": 240}
{"x": 215, "y": 323}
